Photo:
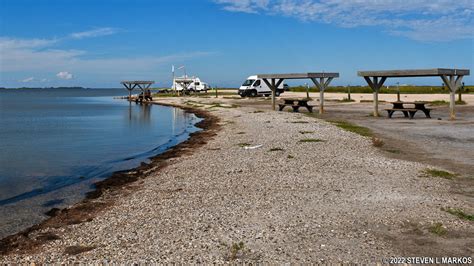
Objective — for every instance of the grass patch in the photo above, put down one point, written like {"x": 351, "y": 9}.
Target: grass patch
{"x": 75, "y": 250}
{"x": 240, "y": 133}
{"x": 391, "y": 90}
{"x": 306, "y": 132}
{"x": 439, "y": 173}
{"x": 437, "y": 229}
{"x": 363, "y": 131}
{"x": 310, "y": 140}
{"x": 394, "y": 151}
{"x": 371, "y": 101}
{"x": 290, "y": 157}
{"x": 376, "y": 142}
{"x": 242, "y": 145}
{"x": 219, "y": 105}
{"x": 276, "y": 149}
{"x": 443, "y": 102}
{"x": 236, "y": 249}
{"x": 459, "y": 213}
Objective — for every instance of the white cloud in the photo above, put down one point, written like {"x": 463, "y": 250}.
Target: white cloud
{"x": 44, "y": 80}
{"x": 39, "y": 55}
{"x": 64, "y": 75}
{"x": 247, "y": 6}
{"x": 423, "y": 20}
{"x": 10, "y": 43}
{"x": 93, "y": 33}
{"x": 30, "y": 79}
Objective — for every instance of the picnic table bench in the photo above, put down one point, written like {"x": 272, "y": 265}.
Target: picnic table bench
{"x": 296, "y": 104}
{"x": 408, "y": 112}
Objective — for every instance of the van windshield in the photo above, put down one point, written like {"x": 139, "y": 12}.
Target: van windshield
{"x": 248, "y": 82}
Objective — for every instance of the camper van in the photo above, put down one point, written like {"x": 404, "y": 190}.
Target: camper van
{"x": 253, "y": 87}
{"x": 190, "y": 84}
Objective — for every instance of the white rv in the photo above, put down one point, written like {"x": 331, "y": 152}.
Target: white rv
{"x": 253, "y": 87}
{"x": 190, "y": 83}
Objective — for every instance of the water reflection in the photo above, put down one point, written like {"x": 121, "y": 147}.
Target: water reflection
{"x": 69, "y": 139}
{"x": 139, "y": 113}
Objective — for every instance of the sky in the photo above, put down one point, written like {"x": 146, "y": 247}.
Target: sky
{"x": 97, "y": 44}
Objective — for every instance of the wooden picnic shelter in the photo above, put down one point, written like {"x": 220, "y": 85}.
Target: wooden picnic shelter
{"x": 451, "y": 77}
{"x": 143, "y": 85}
{"x": 321, "y": 80}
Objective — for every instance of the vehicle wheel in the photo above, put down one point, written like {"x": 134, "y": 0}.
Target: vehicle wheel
{"x": 277, "y": 93}
{"x": 253, "y": 93}
{"x": 266, "y": 95}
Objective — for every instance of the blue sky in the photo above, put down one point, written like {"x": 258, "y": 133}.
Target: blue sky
{"x": 99, "y": 43}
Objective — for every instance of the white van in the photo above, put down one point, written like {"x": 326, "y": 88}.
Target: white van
{"x": 253, "y": 87}
{"x": 198, "y": 85}
{"x": 190, "y": 83}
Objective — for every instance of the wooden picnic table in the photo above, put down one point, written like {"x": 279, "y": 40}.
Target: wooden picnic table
{"x": 409, "y": 112}
{"x": 296, "y": 104}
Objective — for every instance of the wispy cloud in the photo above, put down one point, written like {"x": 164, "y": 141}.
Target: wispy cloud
{"x": 94, "y": 33}
{"x": 64, "y": 75}
{"x": 10, "y": 43}
{"x": 247, "y": 6}
{"x": 44, "y": 56}
{"x": 422, "y": 20}
{"x": 26, "y": 80}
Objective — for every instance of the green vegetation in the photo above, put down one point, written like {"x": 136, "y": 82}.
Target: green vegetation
{"x": 241, "y": 133}
{"x": 459, "y": 213}
{"x": 371, "y": 101}
{"x": 363, "y": 131}
{"x": 310, "y": 140}
{"x": 391, "y": 89}
{"x": 194, "y": 103}
{"x": 219, "y": 105}
{"x": 443, "y": 102}
{"x": 75, "y": 250}
{"x": 439, "y": 173}
{"x": 437, "y": 229}
{"x": 395, "y": 151}
{"x": 290, "y": 157}
{"x": 235, "y": 249}
{"x": 276, "y": 149}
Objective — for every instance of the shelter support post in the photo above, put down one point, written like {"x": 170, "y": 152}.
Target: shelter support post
{"x": 375, "y": 84}
{"x": 273, "y": 85}
{"x": 322, "y": 85}
{"x": 130, "y": 88}
{"x": 453, "y": 83}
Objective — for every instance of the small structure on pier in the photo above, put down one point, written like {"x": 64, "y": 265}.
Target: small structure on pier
{"x": 451, "y": 77}
{"x": 321, "y": 80}
{"x": 141, "y": 84}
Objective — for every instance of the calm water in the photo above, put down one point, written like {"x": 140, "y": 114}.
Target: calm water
{"x": 55, "y": 143}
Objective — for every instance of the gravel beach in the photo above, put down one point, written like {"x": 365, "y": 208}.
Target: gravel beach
{"x": 273, "y": 187}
